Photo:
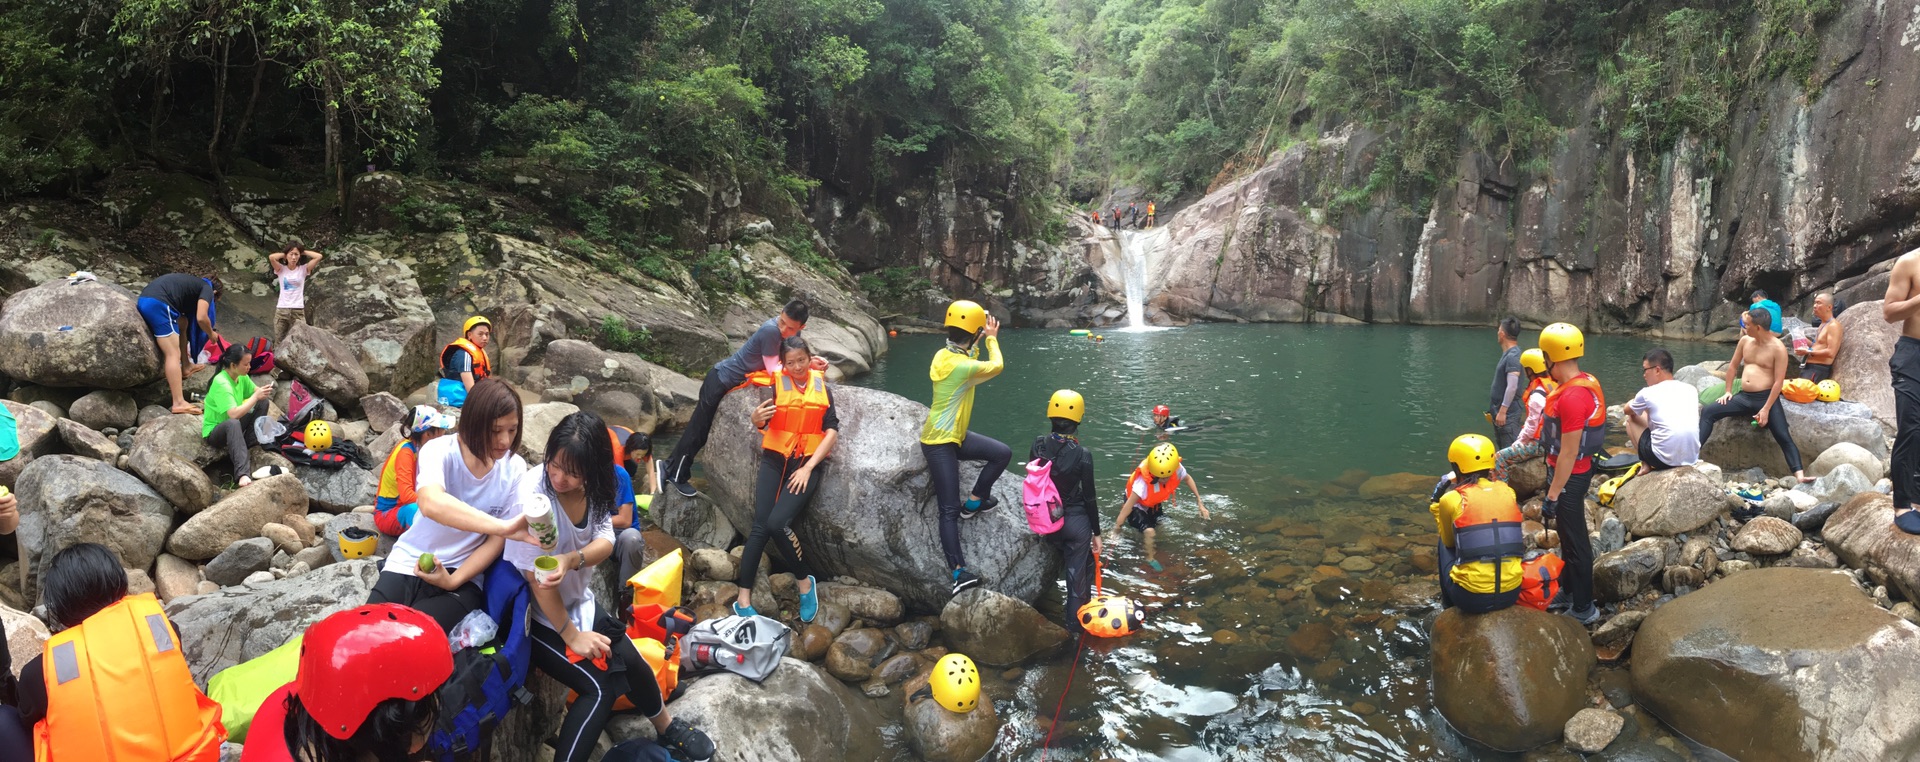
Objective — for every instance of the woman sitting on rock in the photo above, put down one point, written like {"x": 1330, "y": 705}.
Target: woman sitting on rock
{"x": 233, "y": 405}
{"x": 799, "y": 428}
{"x": 465, "y": 493}
{"x": 398, "y": 502}
{"x": 575, "y": 641}
{"x": 365, "y": 690}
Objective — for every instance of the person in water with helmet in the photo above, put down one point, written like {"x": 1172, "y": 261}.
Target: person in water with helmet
{"x": 366, "y": 688}
{"x": 760, "y": 353}
{"x": 1526, "y": 446}
{"x": 944, "y": 438}
{"x": 463, "y": 361}
{"x": 1070, "y": 467}
{"x": 1150, "y": 492}
{"x": 1574, "y": 424}
{"x": 1164, "y": 419}
{"x": 1481, "y": 543}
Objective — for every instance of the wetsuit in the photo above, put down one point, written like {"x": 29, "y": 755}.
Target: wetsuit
{"x": 1748, "y": 405}
{"x": 1079, "y": 515}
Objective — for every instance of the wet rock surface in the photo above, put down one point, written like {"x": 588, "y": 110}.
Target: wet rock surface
{"x": 1510, "y": 679}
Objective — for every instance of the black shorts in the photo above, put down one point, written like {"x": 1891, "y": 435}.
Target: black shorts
{"x": 1144, "y": 518}
{"x": 1815, "y": 372}
{"x": 1648, "y": 459}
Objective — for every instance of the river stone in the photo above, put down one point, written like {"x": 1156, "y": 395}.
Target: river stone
{"x": 1781, "y": 505}
{"x": 1766, "y": 536}
{"x": 895, "y": 669}
{"x": 1837, "y": 486}
{"x": 1698, "y": 552}
{"x": 1862, "y": 534}
{"x": 873, "y": 516}
{"x": 1357, "y": 564}
{"x": 35, "y": 430}
{"x": 169, "y": 454}
{"x": 697, "y": 522}
{"x": 797, "y": 713}
{"x": 714, "y": 564}
{"x": 1591, "y": 729}
{"x": 1815, "y": 426}
{"x": 86, "y": 442}
{"x": 338, "y": 490}
{"x": 1528, "y": 478}
{"x": 239, "y": 561}
{"x": 1612, "y": 536}
{"x": 1681, "y": 579}
{"x": 812, "y": 642}
{"x": 174, "y": 577}
{"x": 914, "y": 635}
{"x": 234, "y": 624}
{"x": 1313, "y": 642}
{"x": 26, "y": 636}
{"x": 49, "y": 408}
{"x": 238, "y": 517}
{"x": 996, "y": 629}
{"x": 65, "y": 500}
{"x": 855, "y": 653}
{"x": 1619, "y": 629}
{"x": 939, "y": 735}
{"x": 870, "y": 603}
{"x": 383, "y": 410}
{"x": 105, "y": 409}
{"x": 1850, "y": 454}
{"x": 324, "y": 362}
{"x": 1512, "y": 678}
{"x": 1861, "y": 366}
{"x": 1783, "y": 664}
{"x": 833, "y": 615}
{"x": 284, "y": 538}
{"x": 1623, "y": 573}
{"x": 1670, "y": 502}
{"x": 88, "y": 335}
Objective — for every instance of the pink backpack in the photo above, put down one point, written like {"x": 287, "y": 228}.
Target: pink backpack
{"x": 1041, "y": 497}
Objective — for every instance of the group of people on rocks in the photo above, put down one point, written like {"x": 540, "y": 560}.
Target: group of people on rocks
{"x": 1131, "y": 217}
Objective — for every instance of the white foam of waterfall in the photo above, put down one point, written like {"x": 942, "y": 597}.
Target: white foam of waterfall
{"x": 1135, "y": 248}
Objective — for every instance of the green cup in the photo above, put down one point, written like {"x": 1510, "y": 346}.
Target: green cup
{"x": 546, "y": 569}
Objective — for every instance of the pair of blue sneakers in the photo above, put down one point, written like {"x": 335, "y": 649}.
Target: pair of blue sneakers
{"x": 809, "y": 603}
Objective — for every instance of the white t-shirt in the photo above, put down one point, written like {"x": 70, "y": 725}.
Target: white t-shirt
{"x": 1139, "y": 486}
{"x": 574, "y": 592}
{"x": 1673, "y": 407}
{"x": 441, "y": 466}
{"x": 293, "y": 287}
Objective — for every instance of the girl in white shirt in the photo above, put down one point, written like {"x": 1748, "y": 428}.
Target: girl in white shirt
{"x": 574, "y": 640}
{"x": 293, "y": 266}
{"x": 465, "y": 491}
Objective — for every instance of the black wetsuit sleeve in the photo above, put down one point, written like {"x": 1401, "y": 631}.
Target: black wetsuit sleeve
{"x": 831, "y": 420}
{"x": 1087, "y": 496}
{"x": 33, "y": 693}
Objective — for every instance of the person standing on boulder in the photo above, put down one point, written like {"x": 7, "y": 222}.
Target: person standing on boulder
{"x": 1481, "y": 541}
{"x": 294, "y": 267}
{"x": 1506, "y": 384}
{"x": 1070, "y": 467}
{"x": 1761, "y": 360}
{"x": 234, "y": 403}
{"x": 1817, "y": 365}
{"x": 800, "y": 428}
{"x": 463, "y": 362}
{"x": 1575, "y": 421}
{"x": 166, "y": 304}
{"x": 1903, "y": 305}
{"x": 944, "y": 439}
{"x": 760, "y": 353}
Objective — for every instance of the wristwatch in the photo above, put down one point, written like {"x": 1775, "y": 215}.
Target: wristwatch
{"x": 579, "y": 559}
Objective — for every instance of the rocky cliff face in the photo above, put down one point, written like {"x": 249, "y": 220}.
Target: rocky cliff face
{"x": 1806, "y": 195}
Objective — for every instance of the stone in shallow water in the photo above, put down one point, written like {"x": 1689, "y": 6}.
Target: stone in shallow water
{"x": 1591, "y": 730}
{"x": 1766, "y": 536}
{"x": 1510, "y": 679}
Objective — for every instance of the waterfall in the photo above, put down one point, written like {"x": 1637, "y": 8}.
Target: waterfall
{"x": 1136, "y": 247}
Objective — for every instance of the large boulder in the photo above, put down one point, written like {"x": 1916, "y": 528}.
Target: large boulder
{"x": 105, "y": 409}
{"x": 939, "y": 735}
{"x": 663, "y": 398}
{"x": 1510, "y": 679}
{"x": 37, "y": 435}
{"x": 26, "y": 636}
{"x": 1862, "y": 534}
{"x": 797, "y": 713}
{"x": 1848, "y": 453}
{"x": 1815, "y": 426}
{"x": 1623, "y": 573}
{"x": 1670, "y": 502}
{"x": 873, "y": 516}
{"x": 66, "y": 500}
{"x": 168, "y": 453}
{"x": 537, "y": 422}
{"x": 1783, "y": 664}
{"x": 339, "y": 490}
{"x": 238, "y": 517}
{"x": 1861, "y": 366}
{"x": 234, "y": 624}
{"x": 997, "y": 630}
{"x": 1837, "y": 485}
{"x": 397, "y": 356}
{"x": 374, "y": 304}
{"x": 85, "y": 335}
{"x": 327, "y": 365}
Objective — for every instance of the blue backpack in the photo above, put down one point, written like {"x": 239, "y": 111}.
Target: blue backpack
{"x": 487, "y": 682}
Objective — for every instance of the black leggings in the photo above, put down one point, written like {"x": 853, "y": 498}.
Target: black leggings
{"x": 1074, "y": 540}
{"x": 447, "y": 608}
{"x": 713, "y": 389}
{"x": 775, "y": 506}
{"x": 1905, "y": 365}
{"x": 236, "y": 434}
{"x": 1576, "y": 547}
{"x": 943, "y": 467}
{"x": 626, "y": 675}
{"x": 1452, "y": 594}
{"x": 1747, "y": 405}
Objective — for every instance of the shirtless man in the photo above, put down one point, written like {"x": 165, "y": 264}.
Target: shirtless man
{"x": 1761, "y": 360}
{"x": 1817, "y": 364}
{"x": 1902, "y": 305}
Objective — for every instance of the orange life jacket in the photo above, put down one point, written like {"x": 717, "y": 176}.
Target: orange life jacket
{"x": 1593, "y": 437}
{"x": 119, "y": 689}
{"x": 1159, "y": 492}
{"x": 1542, "y": 581}
{"x": 1149, "y": 208}
{"x": 1488, "y": 527}
{"x": 797, "y": 416}
{"x": 481, "y": 368}
{"x": 1542, "y": 385}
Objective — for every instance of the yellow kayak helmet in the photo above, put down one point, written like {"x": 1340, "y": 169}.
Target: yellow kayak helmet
{"x": 1163, "y": 461}
{"x": 1561, "y": 342}
{"x": 319, "y": 435}
{"x": 955, "y": 683}
{"x": 357, "y": 543}
{"x": 1470, "y": 453}
{"x": 473, "y": 321}
{"x": 966, "y": 316}
{"x": 1534, "y": 360}
{"x": 1067, "y": 404}
{"x": 1829, "y": 390}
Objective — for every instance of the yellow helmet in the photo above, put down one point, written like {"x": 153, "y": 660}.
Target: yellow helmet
{"x": 357, "y": 543}
{"x": 1561, "y": 342}
{"x": 1163, "y": 461}
{"x": 966, "y": 316}
{"x": 1067, "y": 404}
{"x": 955, "y": 683}
{"x": 1829, "y": 390}
{"x": 473, "y": 321}
{"x": 1534, "y": 360}
{"x": 1470, "y": 453}
{"x": 319, "y": 435}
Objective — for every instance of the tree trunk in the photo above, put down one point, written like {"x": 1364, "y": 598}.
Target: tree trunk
{"x": 219, "y": 120}
{"x": 335, "y": 160}
{"x": 246, "y": 117}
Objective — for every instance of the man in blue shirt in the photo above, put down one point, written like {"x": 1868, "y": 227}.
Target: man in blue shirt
{"x": 1773, "y": 308}
{"x": 761, "y": 352}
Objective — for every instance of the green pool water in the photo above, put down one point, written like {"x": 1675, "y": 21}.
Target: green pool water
{"x": 1258, "y": 648}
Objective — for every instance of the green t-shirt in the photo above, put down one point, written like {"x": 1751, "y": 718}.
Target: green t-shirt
{"x": 225, "y": 392}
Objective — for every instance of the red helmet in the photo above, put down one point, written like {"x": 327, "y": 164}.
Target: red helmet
{"x": 355, "y": 659}
{"x": 1162, "y": 410}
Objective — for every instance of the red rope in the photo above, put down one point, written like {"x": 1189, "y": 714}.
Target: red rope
{"x": 1079, "y": 647}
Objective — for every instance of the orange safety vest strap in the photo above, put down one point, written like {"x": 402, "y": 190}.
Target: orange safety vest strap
{"x": 481, "y": 367}
{"x": 1593, "y": 436}
{"x": 795, "y": 430}
{"x": 118, "y": 688}
{"x": 1158, "y": 492}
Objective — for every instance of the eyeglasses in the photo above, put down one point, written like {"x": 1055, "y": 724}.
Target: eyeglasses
{"x": 1645, "y": 369}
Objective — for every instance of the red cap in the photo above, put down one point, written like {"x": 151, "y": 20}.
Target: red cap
{"x": 355, "y": 659}
{"x": 1162, "y": 410}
